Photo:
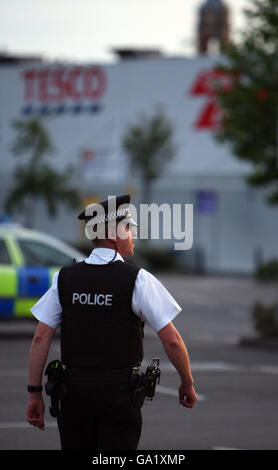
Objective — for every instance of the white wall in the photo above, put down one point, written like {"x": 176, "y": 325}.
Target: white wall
{"x": 230, "y": 236}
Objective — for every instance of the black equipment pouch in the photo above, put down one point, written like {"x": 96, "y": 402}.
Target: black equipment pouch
{"x": 138, "y": 393}
{"x": 152, "y": 377}
{"x": 143, "y": 385}
{"x": 55, "y": 386}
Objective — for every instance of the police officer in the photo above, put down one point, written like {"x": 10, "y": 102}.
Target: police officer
{"x": 101, "y": 305}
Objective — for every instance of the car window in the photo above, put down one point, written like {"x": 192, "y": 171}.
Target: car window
{"x": 37, "y": 253}
{"x": 4, "y": 255}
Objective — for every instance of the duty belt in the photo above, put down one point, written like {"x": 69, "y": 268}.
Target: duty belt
{"x": 97, "y": 373}
{"x": 141, "y": 385}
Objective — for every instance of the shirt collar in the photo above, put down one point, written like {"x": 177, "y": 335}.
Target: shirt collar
{"x": 103, "y": 256}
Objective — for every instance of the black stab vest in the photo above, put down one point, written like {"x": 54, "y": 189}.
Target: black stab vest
{"x": 99, "y": 329}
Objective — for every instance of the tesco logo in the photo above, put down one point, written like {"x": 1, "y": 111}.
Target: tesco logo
{"x": 80, "y": 85}
{"x": 55, "y": 85}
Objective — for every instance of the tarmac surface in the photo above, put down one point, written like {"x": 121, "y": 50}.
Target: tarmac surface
{"x": 236, "y": 381}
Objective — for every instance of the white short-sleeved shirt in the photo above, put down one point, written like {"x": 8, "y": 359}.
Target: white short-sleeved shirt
{"x": 150, "y": 300}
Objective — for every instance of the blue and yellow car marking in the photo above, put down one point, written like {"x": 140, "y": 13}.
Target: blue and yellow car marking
{"x": 21, "y": 287}
{"x": 32, "y": 281}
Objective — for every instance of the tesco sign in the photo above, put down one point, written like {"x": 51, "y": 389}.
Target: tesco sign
{"x": 77, "y": 85}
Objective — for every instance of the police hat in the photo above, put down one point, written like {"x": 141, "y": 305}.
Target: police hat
{"x": 116, "y": 208}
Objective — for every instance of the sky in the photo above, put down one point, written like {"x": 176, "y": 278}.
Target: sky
{"x": 88, "y": 30}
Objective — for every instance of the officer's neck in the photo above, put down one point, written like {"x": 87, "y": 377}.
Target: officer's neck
{"x": 108, "y": 244}
{"x": 104, "y": 244}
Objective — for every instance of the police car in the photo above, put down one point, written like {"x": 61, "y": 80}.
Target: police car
{"x": 28, "y": 260}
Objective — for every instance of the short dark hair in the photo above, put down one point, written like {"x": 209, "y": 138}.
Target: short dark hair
{"x": 98, "y": 241}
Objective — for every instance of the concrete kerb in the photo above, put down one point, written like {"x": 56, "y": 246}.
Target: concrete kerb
{"x": 259, "y": 343}
{"x": 17, "y": 328}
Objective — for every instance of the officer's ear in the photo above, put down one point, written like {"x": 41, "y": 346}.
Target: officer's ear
{"x": 123, "y": 229}
{"x": 112, "y": 231}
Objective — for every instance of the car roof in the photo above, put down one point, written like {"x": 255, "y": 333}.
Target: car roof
{"x": 17, "y": 231}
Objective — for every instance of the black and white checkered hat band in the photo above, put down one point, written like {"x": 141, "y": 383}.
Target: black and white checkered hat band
{"x": 113, "y": 215}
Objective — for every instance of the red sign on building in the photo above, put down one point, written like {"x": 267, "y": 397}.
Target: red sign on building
{"x": 50, "y": 85}
{"x": 206, "y": 84}
{"x": 63, "y": 89}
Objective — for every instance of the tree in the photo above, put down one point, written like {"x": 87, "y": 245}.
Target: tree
{"x": 250, "y": 106}
{"x": 35, "y": 179}
{"x": 149, "y": 146}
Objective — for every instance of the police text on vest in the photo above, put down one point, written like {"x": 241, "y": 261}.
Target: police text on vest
{"x": 92, "y": 299}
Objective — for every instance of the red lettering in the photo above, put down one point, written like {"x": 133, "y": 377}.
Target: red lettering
{"x": 55, "y": 85}
{"x": 29, "y": 78}
{"x": 42, "y": 76}
{"x": 94, "y": 83}
{"x": 56, "y": 82}
{"x": 72, "y": 83}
